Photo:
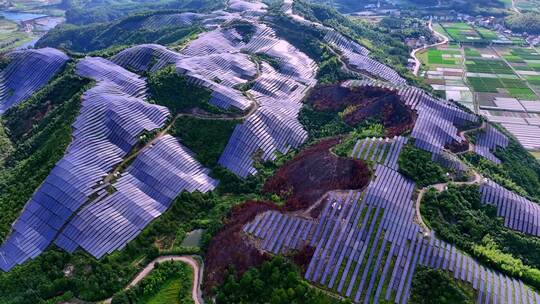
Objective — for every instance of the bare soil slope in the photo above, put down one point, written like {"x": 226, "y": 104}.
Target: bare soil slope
{"x": 360, "y": 103}
{"x": 315, "y": 171}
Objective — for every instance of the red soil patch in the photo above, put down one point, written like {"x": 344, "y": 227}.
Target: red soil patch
{"x": 457, "y": 147}
{"x": 313, "y": 172}
{"x": 360, "y": 103}
{"x": 303, "y": 257}
{"x": 230, "y": 248}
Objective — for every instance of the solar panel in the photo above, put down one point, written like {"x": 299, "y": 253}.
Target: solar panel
{"x": 27, "y": 72}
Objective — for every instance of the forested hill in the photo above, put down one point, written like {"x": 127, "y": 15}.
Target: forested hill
{"x": 97, "y": 11}
{"x": 163, "y": 27}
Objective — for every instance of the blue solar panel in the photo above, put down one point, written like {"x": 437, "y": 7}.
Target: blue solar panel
{"x": 27, "y": 72}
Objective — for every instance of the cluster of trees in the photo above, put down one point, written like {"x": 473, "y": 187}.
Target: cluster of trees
{"x": 309, "y": 40}
{"x": 173, "y": 90}
{"x": 244, "y": 28}
{"x": 150, "y": 286}
{"x": 458, "y": 216}
{"x": 519, "y": 170}
{"x": 206, "y": 138}
{"x": 417, "y": 165}
{"x": 276, "y": 282}
{"x": 437, "y": 286}
{"x": 322, "y": 124}
{"x": 528, "y": 22}
{"x": 366, "y": 129}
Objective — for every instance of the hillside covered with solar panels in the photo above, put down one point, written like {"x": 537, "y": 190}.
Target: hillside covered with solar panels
{"x": 261, "y": 152}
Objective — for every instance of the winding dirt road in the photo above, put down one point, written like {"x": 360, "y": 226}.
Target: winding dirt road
{"x": 190, "y": 260}
{"x": 417, "y": 63}
{"x": 477, "y": 180}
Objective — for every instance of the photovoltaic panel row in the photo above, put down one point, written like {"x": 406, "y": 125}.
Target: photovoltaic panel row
{"x": 27, "y": 72}
{"x": 278, "y": 232}
{"x": 112, "y": 117}
{"x": 518, "y": 212}
{"x": 437, "y": 120}
{"x": 380, "y": 150}
{"x": 368, "y": 247}
{"x": 144, "y": 192}
{"x": 488, "y": 140}
{"x": 355, "y": 54}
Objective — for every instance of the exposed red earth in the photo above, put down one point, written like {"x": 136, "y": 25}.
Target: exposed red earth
{"x": 360, "y": 103}
{"x": 230, "y": 247}
{"x": 457, "y": 147}
{"x": 303, "y": 257}
{"x": 302, "y": 181}
{"x": 315, "y": 171}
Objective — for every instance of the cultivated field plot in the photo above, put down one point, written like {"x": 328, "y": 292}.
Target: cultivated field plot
{"x": 471, "y": 34}
{"x": 462, "y": 32}
{"x": 502, "y": 83}
{"x": 444, "y": 72}
{"x": 505, "y": 87}
{"x": 10, "y": 36}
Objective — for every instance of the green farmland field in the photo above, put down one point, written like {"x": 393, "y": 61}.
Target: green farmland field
{"x": 490, "y": 66}
{"x": 516, "y": 87}
{"x": 522, "y": 93}
{"x": 437, "y": 57}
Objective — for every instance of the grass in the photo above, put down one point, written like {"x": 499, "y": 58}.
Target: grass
{"x": 536, "y": 154}
{"x": 170, "y": 293}
{"x": 470, "y": 52}
{"x": 522, "y": 93}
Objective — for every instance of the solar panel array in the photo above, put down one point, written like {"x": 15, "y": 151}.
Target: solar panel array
{"x": 357, "y": 57}
{"x": 380, "y": 150}
{"x": 274, "y": 126}
{"x": 488, "y": 141}
{"x": 368, "y": 247}
{"x": 518, "y": 212}
{"x": 280, "y": 233}
{"x": 355, "y": 54}
{"x": 220, "y": 73}
{"x": 449, "y": 161}
{"x": 158, "y": 21}
{"x": 112, "y": 116}
{"x": 27, "y": 72}
{"x": 144, "y": 192}
{"x": 243, "y": 6}
{"x": 436, "y": 119}
{"x": 436, "y": 125}
{"x": 146, "y": 57}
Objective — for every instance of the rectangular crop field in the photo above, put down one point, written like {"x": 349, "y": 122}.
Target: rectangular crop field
{"x": 522, "y": 93}
{"x": 462, "y": 32}
{"x": 442, "y": 57}
{"x": 489, "y": 66}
